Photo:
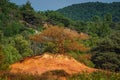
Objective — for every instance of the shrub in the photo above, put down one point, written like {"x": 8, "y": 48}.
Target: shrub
{"x": 50, "y": 75}
{"x": 11, "y": 54}
{"x": 95, "y": 76}
{"x": 107, "y": 53}
{"x": 107, "y": 60}
{"x": 83, "y": 58}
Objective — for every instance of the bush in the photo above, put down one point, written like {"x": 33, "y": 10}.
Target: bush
{"x": 107, "y": 53}
{"x": 109, "y": 44}
{"x": 50, "y": 75}
{"x": 18, "y": 76}
{"x": 95, "y": 76}
{"x": 107, "y": 60}
{"x": 11, "y": 54}
{"x": 82, "y": 58}
{"x": 13, "y": 29}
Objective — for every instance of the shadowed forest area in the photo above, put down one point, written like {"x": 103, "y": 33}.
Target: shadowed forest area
{"x": 78, "y": 42}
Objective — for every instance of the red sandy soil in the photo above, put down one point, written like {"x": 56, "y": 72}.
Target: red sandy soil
{"x": 48, "y": 62}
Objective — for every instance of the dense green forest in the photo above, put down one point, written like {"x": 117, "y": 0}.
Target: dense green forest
{"x": 101, "y": 21}
{"x": 85, "y": 11}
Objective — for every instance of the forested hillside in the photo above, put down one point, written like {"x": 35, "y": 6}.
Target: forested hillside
{"x": 85, "y": 11}
{"x": 92, "y": 40}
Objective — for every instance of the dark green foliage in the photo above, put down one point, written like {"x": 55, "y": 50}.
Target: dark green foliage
{"x": 85, "y": 11}
{"x": 50, "y": 75}
{"x": 28, "y": 13}
{"x": 56, "y": 18}
{"x": 108, "y": 18}
{"x": 95, "y": 76}
{"x": 109, "y": 44}
{"x": 96, "y": 26}
{"x": 14, "y": 46}
{"x": 35, "y": 19}
{"x": 96, "y": 19}
{"x": 9, "y": 27}
{"x": 3, "y": 5}
{"x": 103, "y": 30}
{"x": 56, "y": 75}
{"x": 7, "y": 75}
{"x": 82, "y": 58}
{"x": 80, "y": 26}
{"x": 13, "y": 29}
{"x": 8, "y": 8}
{"x": 107, "y": 53}
{"x": 107, "y": 60}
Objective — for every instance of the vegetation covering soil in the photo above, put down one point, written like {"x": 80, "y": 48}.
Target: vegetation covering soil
{"x": 92, "y": 39}
{"x": 86, "y": 11}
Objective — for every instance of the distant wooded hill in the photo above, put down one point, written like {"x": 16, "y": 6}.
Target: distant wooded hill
{"x": 85, "y": 11}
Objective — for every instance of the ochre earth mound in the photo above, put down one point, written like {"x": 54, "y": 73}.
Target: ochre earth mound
{"x": 48, "y": 62}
